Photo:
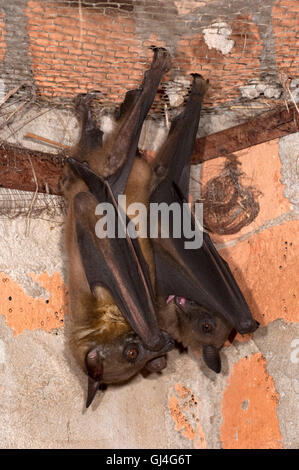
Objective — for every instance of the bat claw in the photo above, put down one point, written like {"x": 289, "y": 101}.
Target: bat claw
{"x": 161, "y": 58}
{"x": 199, "y": 85}
{"x": 83, "y": 100}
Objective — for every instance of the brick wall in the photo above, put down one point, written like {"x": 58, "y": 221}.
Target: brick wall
{"x": 2, "y": 36}
{"x": 72, "y": 46}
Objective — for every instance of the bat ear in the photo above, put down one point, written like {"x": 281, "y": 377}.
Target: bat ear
{"x": 212, "y": 358}
{"x": 93, "y": 387}
{"x": 94, "y": 368}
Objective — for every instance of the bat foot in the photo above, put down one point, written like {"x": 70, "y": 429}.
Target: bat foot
{"x": 161, "y": 59}
{"x": 83, "y": 100}
{"x": 199, "y": 85}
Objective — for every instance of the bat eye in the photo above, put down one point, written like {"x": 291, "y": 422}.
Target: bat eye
{"x": 207, "y": 327}
{"x": 131, "y": 353}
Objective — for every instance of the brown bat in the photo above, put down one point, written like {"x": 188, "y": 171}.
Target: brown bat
{"x": 206, "y": 303}
{"x": 114, "y": 331}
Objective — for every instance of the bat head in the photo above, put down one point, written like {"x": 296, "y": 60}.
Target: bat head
{"x": 196, "y": 327}
{"x": 118, "y": 361}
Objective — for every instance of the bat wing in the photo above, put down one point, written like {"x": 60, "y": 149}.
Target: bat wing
{"x": 201, "y": 275}
{"x": 115, "y": 263}
{"x": 198, "y": 274}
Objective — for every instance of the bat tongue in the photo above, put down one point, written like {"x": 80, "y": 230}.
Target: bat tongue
{"x": 170, "y": 298}
{"x": 179, "y": 300}
{"x": 93, "y": 387}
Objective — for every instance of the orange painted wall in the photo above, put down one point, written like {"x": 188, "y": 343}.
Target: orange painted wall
{"x": 249, "y": 407}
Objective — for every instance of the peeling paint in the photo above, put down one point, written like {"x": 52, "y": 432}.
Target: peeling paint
{"x": 176, "y": 91}
{"x": 289, "y": 156}
{"x": 275, "y": 344}
{"x": 265, "y": 264}
{"x": 41, "y": 251}
{"x": 216, "y": 37}
{"x": 267, "y": 87}
{"x": 185, "y": 413}
{"x": 23, "y": 312}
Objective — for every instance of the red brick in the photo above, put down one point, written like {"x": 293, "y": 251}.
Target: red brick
{"x": 42, "y": 42}
{"x": 63, "y": 21}
{"x": 35, "y": 48}
{"x": 59, "y": 37}
{"x": 90, "y": 46}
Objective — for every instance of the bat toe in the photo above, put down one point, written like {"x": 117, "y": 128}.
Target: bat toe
{"x": 161, "y": 58}
{"x": 199, "y": 85}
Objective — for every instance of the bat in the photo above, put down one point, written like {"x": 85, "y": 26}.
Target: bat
{"x": 198, "y": 321}
{"x": 114, "y": 330}
{"x": 206, "y": 302}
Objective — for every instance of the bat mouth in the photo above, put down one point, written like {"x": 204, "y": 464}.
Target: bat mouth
{"x": 157, "y": 364}
{"x": 159, "y": 361}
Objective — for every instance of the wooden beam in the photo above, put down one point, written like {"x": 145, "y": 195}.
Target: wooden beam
{"x": 262, "y": 128}
{"x": 16, "y": 171}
